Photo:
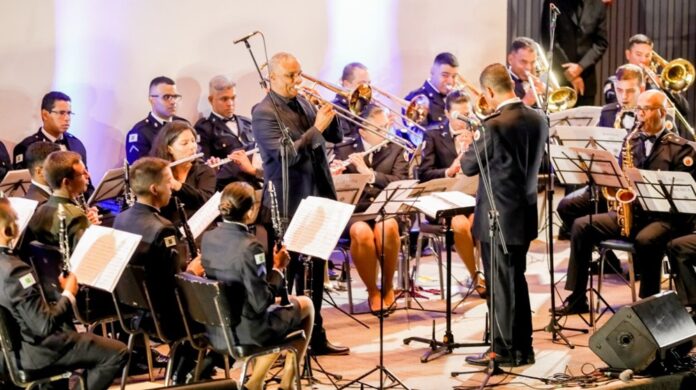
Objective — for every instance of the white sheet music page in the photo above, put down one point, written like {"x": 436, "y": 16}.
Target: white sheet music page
{"x": 202, "y": 218}
{"x": 398, "y": 192}
{"x": 605, "y": 138}
{"x": 101, "y": 256}
{"x": 316, "y": 226}
{"x": 435, "y": 202}
{"x": 680, "y": 184}
{"x": 25, "y": 209}
{"x": 565, "y": 168}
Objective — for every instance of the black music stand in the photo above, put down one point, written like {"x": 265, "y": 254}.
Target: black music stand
{"x": 578, "y": 116}
{"x": 604, "y": 138}
{"x": 664, "y": 191}
{"x": 16, "y": 183}
{"x": 111, "y": 186}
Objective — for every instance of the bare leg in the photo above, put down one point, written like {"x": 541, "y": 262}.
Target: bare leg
{"x": 307, "y": 315}
{"x": 391, "y": 255}
{"x": 464, "y": 244}
{"x": 364, "y": 254}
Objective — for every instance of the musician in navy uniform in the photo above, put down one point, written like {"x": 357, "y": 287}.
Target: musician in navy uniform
{"x": 653, "y": 147}
{"x": 521, "y": 60}
{"x": 5, "y": 163}
{"x": 224, "y": 133}
{"x": 682, "y": 253}
{"x": 194, "y": 181}
{"x": 48, "y": 338}
{"x": 308, "y": 174}
{"x": 160, "y": 252}
{"x": 384, "y": 164}
{"x": 354, "y": 74}
{"x": 34, "y": 157}
{"x": 444, "y": 144}
{"x": 56, "y": 113}
{"x": 253, "y": 289}
{"x": 441, "y": 82}
{"x": 164, "y": 100}
{"x": 513, "y": 141}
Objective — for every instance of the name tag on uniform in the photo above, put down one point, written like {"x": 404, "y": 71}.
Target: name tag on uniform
{"x": 20, "y": 158}
{"x": 169, "y": 241}
{"x": 260, "y": 258}
{"x": 27, "y": 280}
{"x": 133, "y": 137}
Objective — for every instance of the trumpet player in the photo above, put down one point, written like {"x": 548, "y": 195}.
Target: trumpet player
{"x": 653, "y": 147}
{"x": 442, "y": 80}
{"x": 521, "y": 59}
{"x": 384, "y": 164}
{"x": 443, "y": 145}
{"x": 354, "y": 74}
{"x": 308, "y": 168}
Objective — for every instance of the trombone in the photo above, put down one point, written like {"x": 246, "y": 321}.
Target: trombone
{"x": 676, "y": 76}
{"x": 415, "y": 111}
{"x": 559, "y": 98}
{"x": 481, "y": 108}
{"x": 669, "y": 72}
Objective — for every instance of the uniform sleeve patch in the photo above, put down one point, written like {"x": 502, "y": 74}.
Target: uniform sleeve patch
{"x": 27, "y": 280}
{"x": 260, "y": 258}
{"x": 688, "y": 161}
{"x": 20, "y": 158}
{"x": 169, "y": 241}
{"x": 133, "y": 137}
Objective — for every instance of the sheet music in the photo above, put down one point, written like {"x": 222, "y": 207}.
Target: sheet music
{"x": 350, "y": 186}
{"x": 433, "y": 203}
{"x": 605, "y": 168}
{"x": 650, "y": 195}
{"x": 110, "y": 186}
{"x": 578, "y": 116}
{"x": 101, "y": 256}
{"x": 402, "y": 188}
{"x": 565, "y": 168}
{"x": 605, "y": 138}
{"x": 316, "y": 226}
{"x": 466, "y": 184}
{"x": 205, "y": 215}
{"x": 25, "y": 209}
{"x": 16, "y": 183}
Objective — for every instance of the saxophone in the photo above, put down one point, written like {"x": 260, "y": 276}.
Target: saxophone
{"x": 624, "y": 197}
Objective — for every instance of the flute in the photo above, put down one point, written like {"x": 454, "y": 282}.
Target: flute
{"x": 185, "y": 160}
{"x": 229, "y": 159}
{"x": 346, "y": 163}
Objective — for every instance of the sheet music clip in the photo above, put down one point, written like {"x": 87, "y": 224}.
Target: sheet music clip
{"x": 16, "y": 183}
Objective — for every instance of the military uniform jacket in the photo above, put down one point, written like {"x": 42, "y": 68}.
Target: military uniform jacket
{"x": 309, "y": 173}
{"x": 388, "y": 163}
{"x": 46, "y": 330}
{"x": 194, "y": 192}
{"x": 607, "y": 116}
{"x": 161, "y": 254}
{"x": 436, "y": 112}
{"x": 438, "y": 153}
{"x": 250, "y": 289}
{"x": 139, "y": 138}
{"x": 37, "y": 193}
{"x": 5, "y": 163}
{"x": 44, "y": 225}
{"x": 217, "y": 140}
{"x": 514, "y": 139}
{"x": 70, "y": 142}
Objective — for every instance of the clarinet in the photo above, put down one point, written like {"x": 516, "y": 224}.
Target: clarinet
{"x": 190, "y": 241}
{"x": 279, "y": 232}
{"x": 128, "y": 195}
{"x": 63, "y": 242}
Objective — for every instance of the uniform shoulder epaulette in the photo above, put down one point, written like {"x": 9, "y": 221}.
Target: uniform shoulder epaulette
{"x": 673, "y": 138}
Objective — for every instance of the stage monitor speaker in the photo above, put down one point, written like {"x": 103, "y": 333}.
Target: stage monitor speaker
{"x": 655, "y": 329}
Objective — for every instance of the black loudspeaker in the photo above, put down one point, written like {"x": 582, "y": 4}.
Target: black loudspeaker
{"x": 652, "y": 330}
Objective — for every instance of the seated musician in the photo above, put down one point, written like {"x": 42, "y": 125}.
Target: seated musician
{"x": 194, "y": 181}
{"x": 353, "y": 75}
{"x": 521, "y": 59}
{"x": 34, "y": 158}
{"x": 159, "y": 251}
{"x": 682, "y": 258}
{"x": 652, "y": 147}
{"x": 243, "y": 270}
{"x": 224, "y": 133}
{"x": 48, "y": 336}
{"x": 384, "y": 164}
{"x": 443, "y": 145}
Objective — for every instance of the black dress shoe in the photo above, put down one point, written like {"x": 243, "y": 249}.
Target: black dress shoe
{"x": 329, "y": 349}
{"x": 515, "y": 359}
{"x": 573, "y": 307}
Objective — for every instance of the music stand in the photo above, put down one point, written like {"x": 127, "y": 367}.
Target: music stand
{"x": 350, "y": 186}
{"x": 605, "y": 138}
{"x": 578, "y": 116}
{"x": 16, "y": 183}
{"x": 111, "y": 186}
{"x": 664, "y": 191}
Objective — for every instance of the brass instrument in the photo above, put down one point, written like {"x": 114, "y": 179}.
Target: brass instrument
{"x": 559, "y": 98}
{"x": 669, "y": 73}
{"x": 415, "y": 111}
{"x": 279, "y": 230}
{"x": 676, "y": 76}
{"x": 622, "y": 199}
{"x": 481, "y": 107}
{"x": 622, "y": 116}
{"x": 358, "y": 98}
{"x": 63, "y": 241}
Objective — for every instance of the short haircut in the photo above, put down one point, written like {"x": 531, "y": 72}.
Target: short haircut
{"x": 521, "y": 43}
{"x": 37, "y": 152}
{"x": 456, "y": 97}
{"x": 446, "y": 58}
{"x": 496, "y": 77}
{"x": 160, "y": 80}
{"x": 146, "y": 171}
{"x": 236, "y": 201}
{"x": 371, "y": 110}
{"x": 49, "y": 100}
{"x": 629, "y": 72}
{"x": 639, "y": 39}
{"x": 60, "y": 165}
{"x": 220, "y": 83}
{"x": 277, "y": 58}
{"x": 166, "y": 136}
{"x": 349, "y": 69}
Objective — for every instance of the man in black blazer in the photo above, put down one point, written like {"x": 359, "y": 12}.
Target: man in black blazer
{"x": 164, "y": 100}
{"x": 36, "y": 154}
{"x": 56, "y": 114}
{"x": 513, "y": 141}
{"x": 48, "y": 336}
{"x": 223, "y": 133}
{"x": 653, "y": 147}
{"x": 5, "y": 163}
{"x": 308, "y": 170}
{"x": 581, "y": 40}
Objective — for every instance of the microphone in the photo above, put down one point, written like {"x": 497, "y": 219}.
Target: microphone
{"x": 625, "y": 375}
{"x": 244, "y": 38}
{"x": 472, "y": 122}
{"x": 554, "y": 9}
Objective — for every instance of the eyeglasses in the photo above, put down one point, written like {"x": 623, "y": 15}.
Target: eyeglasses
{"x": 168, "y": 97}
{"x": 646, "y": 108}
{"x": 62, "y": 113}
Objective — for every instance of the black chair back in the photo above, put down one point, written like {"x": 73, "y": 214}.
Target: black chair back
{"x": 46, "y": 261}
{"x": 131, "y": 288}
{"x": 10, "y": 343}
